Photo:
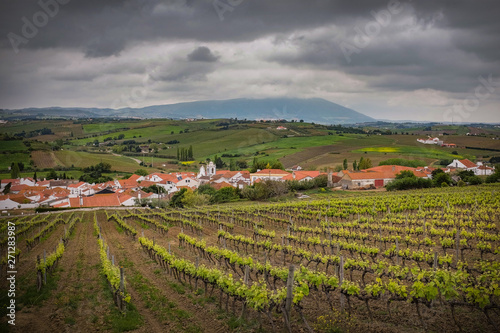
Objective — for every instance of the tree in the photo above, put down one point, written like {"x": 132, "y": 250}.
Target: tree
{"x": 242, "y": 164}
{"x": 465, "y": 175}
{"x": 441, "y": 178}
{"x": 192, "y": 199}
{"x": 206, "y": 189}
{"x": 59, "y": 143}
{"x": 14, "y": 171}
{"x": 405, "y": 174}
{"x": 154, "y": 189}
{"x": 34, "y": 177}
{"x": 474, "y": 180}
{"x": 7, "y": 187}
{"x": 354, "y": 165}
{"x": 219, "y": 163}
{"x": 364, "y": 164}
{"x": 141, "y": 172}
{"x": 360, "y": 162}
{"x": 176, "y": 200}
{"x": 225, "y": 194}
{"x": 232, "y": 165}
{"x": 153, "y": 147}
{"x": 52, "y": 174}
{"x": 190, "y": 153}
{"x": 406, "y": 180}
{"x": 345, "y": 164}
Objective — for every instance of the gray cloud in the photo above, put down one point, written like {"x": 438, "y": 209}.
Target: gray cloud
{"x": 202, "y": 54}
{"x": 268, "y": 48}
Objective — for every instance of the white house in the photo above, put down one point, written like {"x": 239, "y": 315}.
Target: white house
{"x": 27, "y": 181}
{"x": 463, "y": 165}
{"x": 187, "y": 181}
{"x": 8, "y": 204}
{"x": 483, "y": 170}
{"x": 431, "y": 141}
{"x": 268, "y": 174}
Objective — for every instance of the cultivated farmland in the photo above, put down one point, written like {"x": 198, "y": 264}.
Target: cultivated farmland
{"x": 389, "y": 262}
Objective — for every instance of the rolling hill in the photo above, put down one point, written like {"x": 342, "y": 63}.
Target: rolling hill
{"x": 310, "y": 110}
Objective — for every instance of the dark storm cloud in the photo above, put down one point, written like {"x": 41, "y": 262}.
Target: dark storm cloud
{"x": 203, "y": 54}
{"x": 437, "y": 44}
{"x": 102, "y": 27}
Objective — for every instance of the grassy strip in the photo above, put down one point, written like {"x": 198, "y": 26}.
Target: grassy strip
{"x": 115, "y": 320}
{"x": 155, "y": 301}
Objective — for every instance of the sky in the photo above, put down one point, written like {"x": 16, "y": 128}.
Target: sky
{"x": 421, "y": 60}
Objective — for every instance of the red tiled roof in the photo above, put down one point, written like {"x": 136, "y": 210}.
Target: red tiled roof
{"x": 299, "y": 175}
{"x": 272, "y": 172}
{"x": 18, "y": 188}
{"x": 99, "y": 200}
{"x": 13, "y": 181}
{"x": 146, "y": 183}
{"x": 390, "y": 168}
{"x": 220, "y": 185}
{"x": 169, "y": 178}
{"x": 468, "y": 164}
{"x": 134, "y": 177}
{"x": 381, "y": 174}
{"x": 19, "y": 198}
{"x": 62, "y": 204}
{"x": 76, "y": 185}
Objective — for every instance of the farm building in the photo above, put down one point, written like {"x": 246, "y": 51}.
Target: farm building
{"x": 268, "y": 174}
{"x": 374, "y": 177}
{"x": 302, "y": 175}
{"x": 463, "y": 165}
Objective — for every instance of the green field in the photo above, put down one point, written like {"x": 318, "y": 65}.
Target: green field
{"x": 84, "y": 159}
{"x": 6, "y": 159}
{"x": 13, "y": 145}
{"x": 285, "y": 146}
{"x": 312, "y": 146}
{"x": 438, "y": 153}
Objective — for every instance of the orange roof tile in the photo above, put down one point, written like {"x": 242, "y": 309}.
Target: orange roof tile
{"x": 272, "y": 172}
{"x": 220, "y": 185}
{"x": 468, "y": 164}
{"x": 99, "y": 200}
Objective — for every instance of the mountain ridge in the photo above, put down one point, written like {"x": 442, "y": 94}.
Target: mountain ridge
{"x": 310, "y": 110}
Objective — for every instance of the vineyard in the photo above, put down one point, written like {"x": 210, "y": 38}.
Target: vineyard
{"x": 417, "y": 261}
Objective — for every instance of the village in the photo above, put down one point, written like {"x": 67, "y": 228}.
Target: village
{"x": 28, "y": 193}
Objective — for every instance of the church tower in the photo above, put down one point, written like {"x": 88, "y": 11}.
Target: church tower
{"x": 202, "y": 172}
{"x": 211, "y": 169}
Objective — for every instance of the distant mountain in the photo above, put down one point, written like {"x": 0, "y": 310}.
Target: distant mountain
{"x": 310, "y": 110}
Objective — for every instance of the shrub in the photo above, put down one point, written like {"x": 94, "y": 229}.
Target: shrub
{"x": 474, "y": 180}
{"x": 176, "y": 200}
{"x": 225, "y": 194}
{"x": 406, "y": 180}
{"x": 192, "y": 199}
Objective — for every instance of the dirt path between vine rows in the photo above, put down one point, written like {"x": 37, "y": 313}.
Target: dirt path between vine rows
{"x": 77, "y": 304}
{"x": 203, "y": 317}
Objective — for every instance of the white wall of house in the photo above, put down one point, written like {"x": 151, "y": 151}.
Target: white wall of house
{"x": 484, "y": 172}
{"x": 8, "y": 204}
{"x": 188, "y": 181}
